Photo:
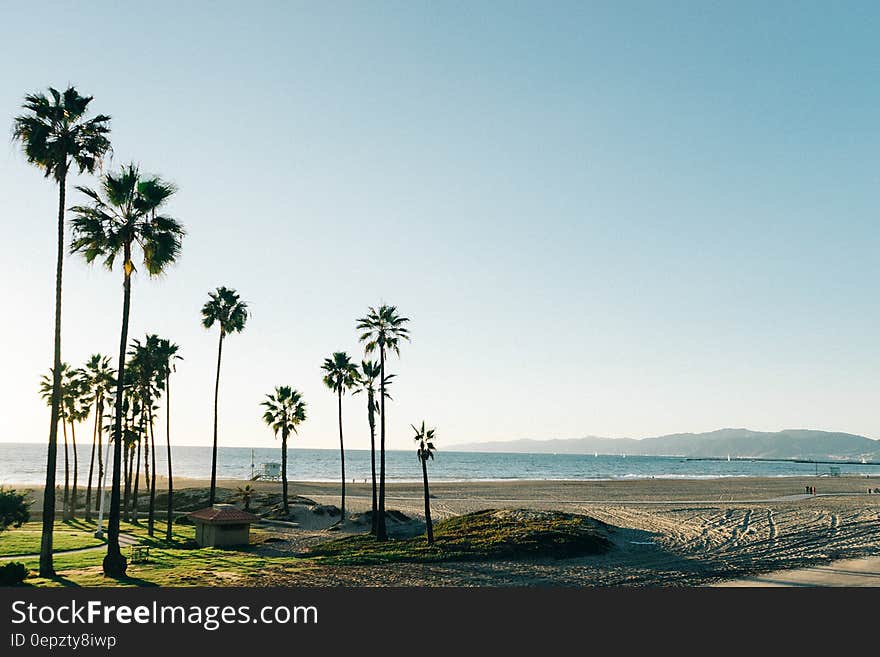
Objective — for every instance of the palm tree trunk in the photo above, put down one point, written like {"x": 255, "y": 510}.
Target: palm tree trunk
{"x": 126, "y": 471}
{"x": 126, "y": 500}
{"x": 284, "y": 474}
{"x": 138, "y": 448}
{"x": 381, "y": 532}
{"x": 371, "y": 417}
{"x": 100, "y": 456}
{"x": 168, "y": 447}
{"x": 216, "y": 397}
{"x": 146, "y": 449}
{"x": 428, "y": 522}
{"x": 152, "y": 514}
{"x": 341, "y": 454}
{"x": 75, "y": 472}
{"x": 65, "y": 511}
{"x": 91, "y": 468}
{"x": 47, "y": 569}
{"x": 115, "y": 564}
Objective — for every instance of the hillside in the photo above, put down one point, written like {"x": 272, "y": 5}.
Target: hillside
{"x": 787, "y": 444}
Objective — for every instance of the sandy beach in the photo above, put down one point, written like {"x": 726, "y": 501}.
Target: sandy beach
{"x": 669, "y": 532}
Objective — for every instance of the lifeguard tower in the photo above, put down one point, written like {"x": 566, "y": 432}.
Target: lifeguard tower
{"x": 270, "y": 471}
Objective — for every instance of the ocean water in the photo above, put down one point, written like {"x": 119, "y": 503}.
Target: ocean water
{"x": 24, "y": 463}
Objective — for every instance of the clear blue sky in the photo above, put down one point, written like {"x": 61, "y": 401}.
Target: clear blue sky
{"x": 612, "y": 218}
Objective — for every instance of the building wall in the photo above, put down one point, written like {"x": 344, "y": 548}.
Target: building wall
{"x": 218, "y": 535}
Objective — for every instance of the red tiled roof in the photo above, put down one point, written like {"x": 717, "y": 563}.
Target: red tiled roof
{"x": 223, "y": 514}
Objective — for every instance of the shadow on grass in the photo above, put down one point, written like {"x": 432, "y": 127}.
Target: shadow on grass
{"x": 61, "y": 580}
{"x": 134, "y": 581}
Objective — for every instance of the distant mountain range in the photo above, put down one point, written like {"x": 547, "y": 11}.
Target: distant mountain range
{"x": 787, "y": 444}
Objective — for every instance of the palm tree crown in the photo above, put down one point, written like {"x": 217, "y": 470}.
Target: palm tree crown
{"x": 100, "y": 376}
{"x": 370, "y": 373}
{"x": 126, "y": 215}
{"x": 143, "y": 363}
{"x": 68, "y": 382}
{"x": 340, "y": 373}
{"x": 226, "y": 309}
{"x": 425, "y": 442}
{"x": 383, "y": 328}
{"x": 55, "y": 133}
{"x": 166, "y": 357}
{"x": 285, "y": 410}
{"x": 78, "y": 397}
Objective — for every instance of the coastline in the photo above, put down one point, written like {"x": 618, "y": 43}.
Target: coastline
{"x": 554, "y": 491}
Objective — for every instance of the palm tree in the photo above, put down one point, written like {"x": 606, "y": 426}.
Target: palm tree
{"x": 425, "y": 450}
{"x": 117, "y": 222}
{"x": 56, "y": 135}
{"x": 225, "y": 308}
{"x": 367, "y": 383}
{"x": 285, "y": 411}
{"x": 245, "y": 494}
{"x": 166, "y": 355}
{"x": 340, "y": 375}
{"x": 382, "y": 329}
{"x": 99, "y": 378}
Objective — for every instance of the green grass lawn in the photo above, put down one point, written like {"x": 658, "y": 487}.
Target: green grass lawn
{"x": 507, "y": 534}
{"x": 69, "y": 535}
{"x": 169, "y": 564}
{"x": 76, "y": 534}
{"x": 167, "y": 567}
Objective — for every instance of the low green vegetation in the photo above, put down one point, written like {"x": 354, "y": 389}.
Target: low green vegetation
{"x": 509, "y": 534}
{"x": 68, "y": 535}
{"x": 178, "y": 563}
{"x": 13, "y": 508}
{"x": 79, "y": 534}
{"x": 167, "y": 567}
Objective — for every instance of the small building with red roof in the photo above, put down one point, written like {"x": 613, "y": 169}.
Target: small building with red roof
{"x": 222, "y": 525}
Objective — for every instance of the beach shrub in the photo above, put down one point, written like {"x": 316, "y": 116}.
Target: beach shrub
{"x": 13, "y": 508}
{"x": 493, "y": 533}
{"x": 12, "y": 573}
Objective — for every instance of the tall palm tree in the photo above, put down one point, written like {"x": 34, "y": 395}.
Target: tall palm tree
{"x": 369, "y": 373}
{"x": 99, "y": 379}
{"x": 167, "y": 356}
{"x": 115, "y": 223}
{"x": 224, "y": 307}
{"x": 56, "y": 135}
{"x": 340, "y": 375}
{"x": 382, "y": 329}
{"x": 425, "y": 440}
{"x": 285, "y": 411}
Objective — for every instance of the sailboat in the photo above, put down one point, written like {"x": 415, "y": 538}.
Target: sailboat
{"x": 728, "y": 458}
